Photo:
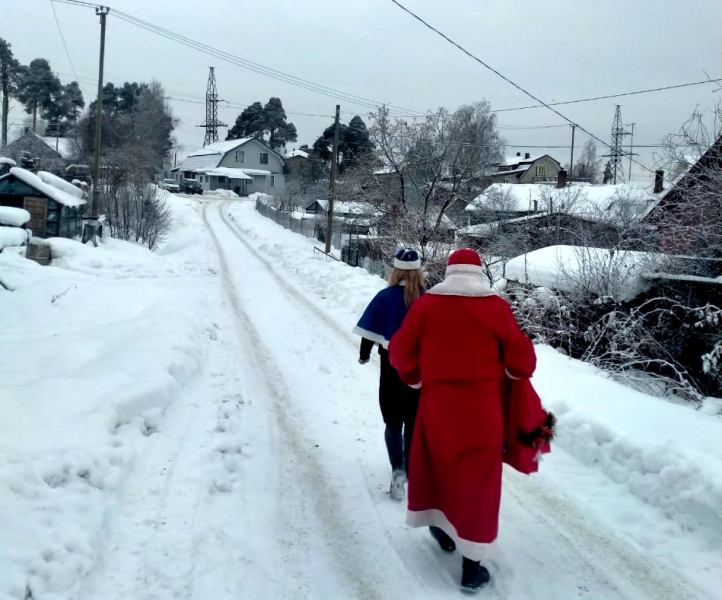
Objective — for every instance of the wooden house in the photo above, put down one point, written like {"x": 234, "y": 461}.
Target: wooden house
{"x": 55, "y": 206}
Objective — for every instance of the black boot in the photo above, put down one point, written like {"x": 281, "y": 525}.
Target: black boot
{"x": 445, "y": 542}
{"x": 473, "y": 576}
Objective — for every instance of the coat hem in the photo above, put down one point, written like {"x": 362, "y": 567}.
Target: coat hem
{"x": 436, "y": 518}
{"x": 369, "y": 335}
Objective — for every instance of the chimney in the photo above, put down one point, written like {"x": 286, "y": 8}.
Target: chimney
{"x": 562, "y": 179}
{"x": 658, "y": 181}
{"x": 518, "y": 153}
{"x": 526, "y": 155}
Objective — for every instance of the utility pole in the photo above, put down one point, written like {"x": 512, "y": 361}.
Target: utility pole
{"x": 571, "y": 160}
{"x": 631, "y": 150}
{"x": 332, "y": 183}
{"x": 102, "y": 12}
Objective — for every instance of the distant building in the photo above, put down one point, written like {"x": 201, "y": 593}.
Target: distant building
{"x": 50, "y": 153}
{"x": 296, "y": 162}
{"x": 243, "y": 166}
{"x": 526, "y": 169}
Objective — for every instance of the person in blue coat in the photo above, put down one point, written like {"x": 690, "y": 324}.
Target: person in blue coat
{"x": 399, "y": 402}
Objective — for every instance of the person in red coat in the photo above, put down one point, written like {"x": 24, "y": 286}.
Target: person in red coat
{"x": 459, "y": 342}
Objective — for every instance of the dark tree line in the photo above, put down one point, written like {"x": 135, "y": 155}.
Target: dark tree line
{"x": 41, "y": 93}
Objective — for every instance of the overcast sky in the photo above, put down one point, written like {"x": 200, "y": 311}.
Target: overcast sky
{"x": 558, "y": 50}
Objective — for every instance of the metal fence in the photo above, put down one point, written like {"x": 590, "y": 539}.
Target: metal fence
{"x": 312, "y": 228}
{"x": 307, "y": 227}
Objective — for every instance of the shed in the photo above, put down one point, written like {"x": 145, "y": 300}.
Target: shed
{"x": 54, "y": 212}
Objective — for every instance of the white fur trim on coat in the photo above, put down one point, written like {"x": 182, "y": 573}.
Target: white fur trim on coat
{"x": 463, "y": 282}
{"x": 435, "y": 518}
{"x": 407, "y": 265}
{"x": 370, "y": 335}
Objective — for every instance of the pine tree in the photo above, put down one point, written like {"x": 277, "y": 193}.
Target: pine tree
{"x": 279, "y": 131}
{"x": 10, "y": 72}
{"x": 75, "y": 100}
{"x": 250, "y": 123}
{"x": 267, "y": 123}
{"x": 38, "y": 89}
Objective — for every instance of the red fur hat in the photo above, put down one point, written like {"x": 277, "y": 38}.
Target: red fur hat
{"x": 464, "y": 261}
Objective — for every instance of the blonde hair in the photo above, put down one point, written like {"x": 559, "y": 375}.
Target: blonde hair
{"x": 415, "y": 285}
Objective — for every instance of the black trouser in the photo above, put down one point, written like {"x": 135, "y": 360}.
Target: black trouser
{"x": 399, "y": 404}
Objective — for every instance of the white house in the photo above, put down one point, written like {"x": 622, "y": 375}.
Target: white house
{"x": 244, "y": 166}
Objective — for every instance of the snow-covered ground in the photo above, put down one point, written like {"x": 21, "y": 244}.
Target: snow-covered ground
{"x": 192, "y": 423}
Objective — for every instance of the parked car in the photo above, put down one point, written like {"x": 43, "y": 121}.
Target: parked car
{"x": 191, "y": 186}
{"x": 170, "y": 185}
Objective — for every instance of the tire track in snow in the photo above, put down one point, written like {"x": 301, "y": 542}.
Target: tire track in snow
{"x": 325, "y": 498}
{"x": 607, "y": 562}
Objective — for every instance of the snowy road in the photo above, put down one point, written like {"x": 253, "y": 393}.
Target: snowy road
{"x": 267, "y": 477}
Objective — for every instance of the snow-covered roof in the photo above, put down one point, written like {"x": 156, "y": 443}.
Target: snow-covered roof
{"x": 604, "y": 272}
{"x": 348, "y": 208}
{"x": 508, "y": 197}
{"x": 517, "y": 160}
{"x": 234, "y": 173}
{"x": 584, "y": 200}
{"x": 221, "y": 148}
{"x": 15, "y": 217}
{"x": 7, "y": 161}
{"x": 227, "y": 172}
{"x": 66, "y": 147}
{"x": 56, "y": 194}
{"x": 295, "y": 153}
{"x": 61, "y": 184}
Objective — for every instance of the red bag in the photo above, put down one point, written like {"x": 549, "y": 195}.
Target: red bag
{"x": 528, "y": 428}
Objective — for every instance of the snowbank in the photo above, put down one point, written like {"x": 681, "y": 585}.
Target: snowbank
{"x": 665, "y": 454}
{"x": 264, "y": 198}
{"x": 569, "y": 268}
{"x": 16, "y": 217}
{"x": 7, "y": 161}
{"x": 92, "y": 355}
{"x": 230, "y": 194}
{"x": 12, "y": 236}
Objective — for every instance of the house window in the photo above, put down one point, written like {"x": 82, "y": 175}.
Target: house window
{"x": 221, "y": 179}
{"x": 273, "y": 181}
{"x": 240, "y": 156}
{"x": 540, "y": 170}
{"x": 264, "y": 158}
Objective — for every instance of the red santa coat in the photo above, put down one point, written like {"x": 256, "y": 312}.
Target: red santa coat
{"x": 458, "y": 341}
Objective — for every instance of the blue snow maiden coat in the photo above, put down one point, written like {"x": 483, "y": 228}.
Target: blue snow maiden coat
{"x": 383, "y": 316}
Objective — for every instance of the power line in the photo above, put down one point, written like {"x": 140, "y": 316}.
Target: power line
{"x": 245, "y": 63}
{"x": 593, "y": 99}
{"x": 499, "y": 74}
{"x": 62, "y": 37}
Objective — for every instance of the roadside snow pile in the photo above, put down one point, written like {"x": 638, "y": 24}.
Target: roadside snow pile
{"x": 92, "y": 355}
{"x": 13, "y": 236}
{"x": 229, "y": 194}
{"x": 350, "y": 288}
{"x": 15, "y": 217}
{"x": 264, "y": 198}
{"x": 665, "y": 454}
{"x": 597, "y": 270}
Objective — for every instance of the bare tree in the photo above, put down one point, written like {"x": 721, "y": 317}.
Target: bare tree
{"x": 424, "y": 168}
